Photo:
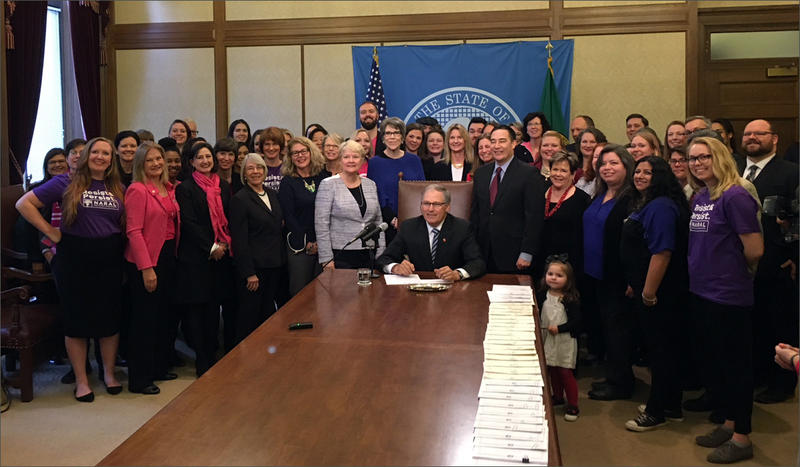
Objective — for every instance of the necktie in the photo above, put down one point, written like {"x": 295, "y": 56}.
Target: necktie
{"x": 751, "y": 172}
{"x": 434, "y": 245}
{"x": 494, "y": 186}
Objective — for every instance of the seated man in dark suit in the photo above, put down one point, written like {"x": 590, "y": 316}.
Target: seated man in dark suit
{"x": 435, "y": 241}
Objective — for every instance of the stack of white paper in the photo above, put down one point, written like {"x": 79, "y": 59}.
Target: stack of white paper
{"x": 510, "y": 424}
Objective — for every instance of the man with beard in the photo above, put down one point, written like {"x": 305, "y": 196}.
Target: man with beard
{"x": 368, "y": 115}
{"x": 775, "y": 317}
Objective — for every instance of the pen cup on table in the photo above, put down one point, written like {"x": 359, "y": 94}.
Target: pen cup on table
{"x": 364, "y": 277}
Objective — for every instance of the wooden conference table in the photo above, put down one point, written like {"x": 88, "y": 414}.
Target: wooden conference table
{"x": 385, "y": 377}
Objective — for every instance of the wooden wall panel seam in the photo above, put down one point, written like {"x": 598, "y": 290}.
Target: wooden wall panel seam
{"x": 220, "y": 71}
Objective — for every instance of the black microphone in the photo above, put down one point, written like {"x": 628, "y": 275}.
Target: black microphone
{"x": 369, "y": 231}
{"x": 365, "y": 233}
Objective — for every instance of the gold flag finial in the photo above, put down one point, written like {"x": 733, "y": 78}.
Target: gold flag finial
{"x": 375, "y": 55}
{"x": 550, "y": 48}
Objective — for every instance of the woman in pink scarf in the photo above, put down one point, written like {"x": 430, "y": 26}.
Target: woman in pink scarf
{"x": 205, "y": 267}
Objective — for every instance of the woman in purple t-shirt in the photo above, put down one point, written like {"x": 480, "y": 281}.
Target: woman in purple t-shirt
{"x": 88, "y": 265}
{"x": 725, "y": 244}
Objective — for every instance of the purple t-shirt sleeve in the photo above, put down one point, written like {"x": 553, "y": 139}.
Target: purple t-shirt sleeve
{"x": 53, "y": 190}
{"x": 659, "y": 222}
{"x": 741, "y": 210}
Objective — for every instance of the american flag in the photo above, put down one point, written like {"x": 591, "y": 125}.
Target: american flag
{"x": 375, "y": 88}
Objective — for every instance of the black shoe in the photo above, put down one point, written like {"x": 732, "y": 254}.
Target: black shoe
{"x": 113, "y": 390}
{"x": 166, "y": 377}
{"x": 600, "y": 384}
{"x": 556, "y": 401}
{"x": 68, "y": 378}
{"x": 609, "y": 393}
{"x": 701, "y": 404}
{"x": 149, "y": 389}
{"x": 645, "y": 422}
{"x": 672, "y": 415}
{"x": 120, "y": 362}
{"x": 771, "y": 397}
{"x": 84, "y": 398}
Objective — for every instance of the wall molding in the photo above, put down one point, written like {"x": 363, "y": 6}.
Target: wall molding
{"x": 555, "y": 22}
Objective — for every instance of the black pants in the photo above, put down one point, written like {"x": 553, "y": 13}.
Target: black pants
{"x": 728, "y": 358}
{"x": 151, "y": 313}
{"x": 591, "y": 320}
{"x": 775, "y": 315}
{"x": 255, "y": 307}
{"x": 662, "y": 330}
{"x": 618, "y": 319}
{"x": 202, "y": 322}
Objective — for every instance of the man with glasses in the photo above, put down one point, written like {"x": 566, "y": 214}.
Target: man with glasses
{"x": 192, "y": 127}
{"x": 435, "y": 241}
{"x": 776, "y": 306}
{"x": 697, "y": 122}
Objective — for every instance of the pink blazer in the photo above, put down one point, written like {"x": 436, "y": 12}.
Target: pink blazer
{"x": 147, "y": 216}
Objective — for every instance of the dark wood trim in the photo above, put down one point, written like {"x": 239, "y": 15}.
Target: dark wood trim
{"x": 5, "y": 177}
{"x": 389, "y": 28}
{"x": 220, "y": 71}
{"x": 556, "y": 15}
{"x": 302, "y": 86}
{"x": 165, "y": 35}
{"x": 692, "y": 57}
{"x": 109, "y": 121}
{"x": 627, "y": 19}
{"x": 767, "y": 18}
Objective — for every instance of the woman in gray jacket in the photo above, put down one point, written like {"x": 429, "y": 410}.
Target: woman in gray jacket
{"x": 345, "y": 204}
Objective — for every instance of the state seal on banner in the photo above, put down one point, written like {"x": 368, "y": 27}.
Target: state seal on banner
{"x": 460, "y": 104}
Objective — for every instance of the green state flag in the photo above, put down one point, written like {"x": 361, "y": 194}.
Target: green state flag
{"x": 550, "y": 105}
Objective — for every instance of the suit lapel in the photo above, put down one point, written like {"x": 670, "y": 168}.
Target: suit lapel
{"x": 255, "y": 198}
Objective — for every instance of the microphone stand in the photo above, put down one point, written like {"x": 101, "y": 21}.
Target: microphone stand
{"x": 371, "y": 245}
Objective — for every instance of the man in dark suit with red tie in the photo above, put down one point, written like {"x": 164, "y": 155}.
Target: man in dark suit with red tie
{"x": 507, "y": 207}
{"x": 435, "y": 241}
{"x": 776, "y": 308}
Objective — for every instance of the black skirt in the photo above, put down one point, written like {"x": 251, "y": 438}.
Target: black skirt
{"x": 88, "y": 273}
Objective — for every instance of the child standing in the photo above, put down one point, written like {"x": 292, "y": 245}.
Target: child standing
{"x": 560, "y": 321}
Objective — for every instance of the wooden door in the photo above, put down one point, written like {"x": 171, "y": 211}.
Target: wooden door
{"x": 741, "y": 89}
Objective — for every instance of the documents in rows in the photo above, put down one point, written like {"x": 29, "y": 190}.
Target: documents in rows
{"x": 510, "y": 425}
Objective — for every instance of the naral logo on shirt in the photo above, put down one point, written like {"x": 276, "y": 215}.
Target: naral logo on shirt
{"x": 460, "y": 104}
{"x": 99, "y": 200}
{"x": 701, "y": 217}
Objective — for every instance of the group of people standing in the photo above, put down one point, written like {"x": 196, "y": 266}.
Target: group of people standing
{"x": 643, "y": 236}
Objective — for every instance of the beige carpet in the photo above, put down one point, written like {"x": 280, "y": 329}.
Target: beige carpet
{"x": 54, "y": 429}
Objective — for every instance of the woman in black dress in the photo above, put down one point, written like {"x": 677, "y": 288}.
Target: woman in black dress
{"x": 562, "y": 230}
{"x": 203, "y": 253}
{"x": 302, "y": 174}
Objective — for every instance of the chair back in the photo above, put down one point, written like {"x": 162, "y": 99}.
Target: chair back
{"x": 409, "y": 197}
{"x": 8, "y": 213}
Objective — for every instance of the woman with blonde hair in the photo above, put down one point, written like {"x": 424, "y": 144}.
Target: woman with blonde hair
{"x": 343, "y": 207}
{"x": 88, "y": 269}
{"x": 645, "y": 143}
{"x": 551, "y": 142}
{"x": 330, "y": 149}
{"x": 303, "y": 172}
{"x": 458, "y": 156}
{"x": 725, "y": 245}
{"x": 362, "y": 137}
{"x": 153, "y": 228}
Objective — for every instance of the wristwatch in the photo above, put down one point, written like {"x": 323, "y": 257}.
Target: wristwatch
{"x": 460, "y": 275}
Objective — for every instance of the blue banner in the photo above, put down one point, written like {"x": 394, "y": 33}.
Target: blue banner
{"x": 453, "y": 83}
